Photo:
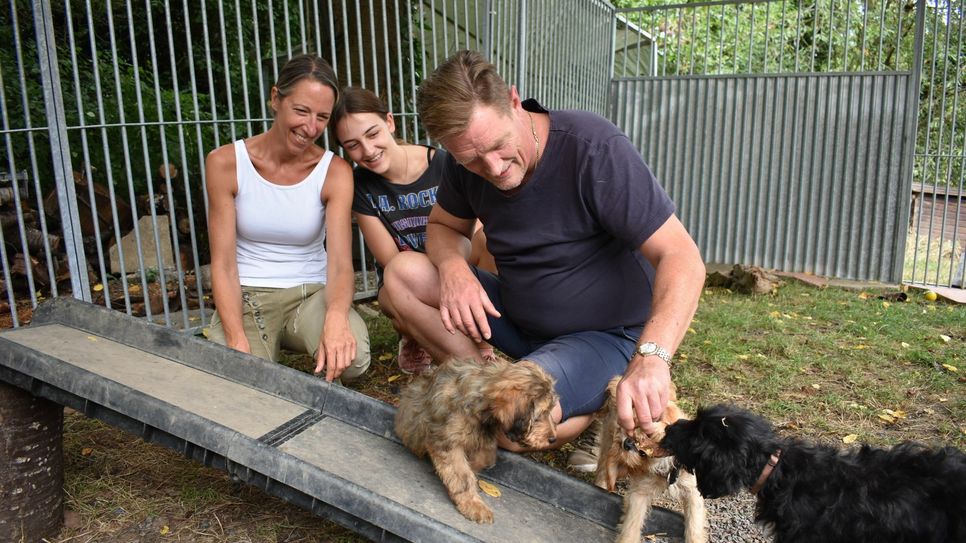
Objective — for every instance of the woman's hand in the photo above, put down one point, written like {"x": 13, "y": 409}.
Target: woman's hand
{"x": 337, "y": 347}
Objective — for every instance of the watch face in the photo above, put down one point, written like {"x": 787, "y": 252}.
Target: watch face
{"x": 647, "y": 348}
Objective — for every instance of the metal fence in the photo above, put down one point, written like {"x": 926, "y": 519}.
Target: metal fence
{"x": 109, "y": 108}
{"x": 785, "y": 131}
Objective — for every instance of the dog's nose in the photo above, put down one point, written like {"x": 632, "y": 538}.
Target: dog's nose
{"x": 551, "y": 440}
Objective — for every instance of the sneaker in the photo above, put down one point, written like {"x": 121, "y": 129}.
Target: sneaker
{"x": 584, "y": 456}
{"x": 412, "y": 358}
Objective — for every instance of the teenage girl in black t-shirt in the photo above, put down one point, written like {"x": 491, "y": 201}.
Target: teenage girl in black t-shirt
{"x": 395, "y": 189}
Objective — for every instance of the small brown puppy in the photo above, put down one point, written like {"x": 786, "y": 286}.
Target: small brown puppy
{"x": 651, "y": 473}
{"x": 455, "y": 413}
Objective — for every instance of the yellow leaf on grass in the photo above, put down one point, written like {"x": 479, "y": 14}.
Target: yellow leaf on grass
{"x": 898, "y": 413}
{"x": 165, "y": 530}
{"x": 743, "y": 357}
{"x": 817, "y": 386}
{"x": 385, "y": 356}
{"x": 850, "y": 438}
{"x": 905, "y": 345}
{"x": 886, "y": 304}
{"x": 87, "y": 451}
{"x": 393, "y": 377}
{"x": 775, "y": 314}
{"x": 945, "y": 338}
{"x": 489, "y": 488}
{"x": 98, "y": 287}
{"x": 863, "y": 296}
{"x": 860, "y": 347}
{"x": 950, "y": 367}
{"x": 92, "y": 338}
{"x": 887, "y": 418}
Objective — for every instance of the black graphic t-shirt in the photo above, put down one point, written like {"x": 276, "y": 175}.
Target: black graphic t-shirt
{"x": 404, "y": 209}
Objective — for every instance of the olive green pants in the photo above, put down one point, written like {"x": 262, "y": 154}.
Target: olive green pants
{"x": 291, "y": 318}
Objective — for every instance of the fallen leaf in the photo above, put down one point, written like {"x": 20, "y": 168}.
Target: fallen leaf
{"x": 98, "y": 287}
{"x": 817, "y": 386}
{"x": 692, "y": 331}
{"x": 489, "y": 488}
{"x": 898, "y": 413}
{"x": 886, "y": 304}
{"x": 385, "y": 356}
{"x": 393, "y": 377}
{"x": 165, "y": 530}
{"x": 87, "y": 451}
{"x": 850, "y": 438}
{"x": 945, "y": 338}
{"x": 860, "y": 346}
{"x": 905, "y": 345}
{"x": 92, "y": 338}
{"x": 887, "y": 418}
{"x": 743, "y": 357}
{"x": 950, "y": 367}
{"x": 863, "y": 296}
{"x": 683, "y": 356}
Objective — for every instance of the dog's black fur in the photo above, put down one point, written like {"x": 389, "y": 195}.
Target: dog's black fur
{"x": 817, "y": 493}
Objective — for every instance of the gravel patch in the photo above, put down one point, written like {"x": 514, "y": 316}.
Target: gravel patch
{"x": 730, "y": 520}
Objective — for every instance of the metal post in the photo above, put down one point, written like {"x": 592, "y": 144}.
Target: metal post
{"x": 522, "y": 49}
{"x": 60, "y": 151}
{"x": 909, "y": 154}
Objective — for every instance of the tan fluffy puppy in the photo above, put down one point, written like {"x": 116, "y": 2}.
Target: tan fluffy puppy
{"x": 639, "y": 458}
{"x": 455, "y": 413}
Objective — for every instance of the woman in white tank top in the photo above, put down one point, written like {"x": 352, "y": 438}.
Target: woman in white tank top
{"x": 280, "y": 233}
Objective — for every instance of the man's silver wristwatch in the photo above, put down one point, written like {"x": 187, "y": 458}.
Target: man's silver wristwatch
{"x": 650, "y": 348}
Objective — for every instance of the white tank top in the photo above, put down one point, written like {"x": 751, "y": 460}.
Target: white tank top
{"x": 280, "y": 229}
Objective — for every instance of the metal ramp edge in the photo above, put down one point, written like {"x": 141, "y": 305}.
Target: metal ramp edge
{"x": 257, "y": 460}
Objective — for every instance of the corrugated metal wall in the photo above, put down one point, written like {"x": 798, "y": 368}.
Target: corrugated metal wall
{"x": 799, "y": 173}
{"x": 784, "y": 132}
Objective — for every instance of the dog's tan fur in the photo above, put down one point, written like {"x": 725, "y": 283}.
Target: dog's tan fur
{"x": 455, "y": 413}
{"x": 648, "y": 474}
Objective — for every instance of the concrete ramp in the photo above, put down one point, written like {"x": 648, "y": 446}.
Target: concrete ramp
{"x": 326, "y": 448}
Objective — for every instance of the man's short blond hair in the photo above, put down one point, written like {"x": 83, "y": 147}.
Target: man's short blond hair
{"x": 446, "y": 99}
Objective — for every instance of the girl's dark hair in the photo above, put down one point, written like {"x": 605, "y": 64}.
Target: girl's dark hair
{"x": 355, "y": 100}
{"x": 305, "y": 66}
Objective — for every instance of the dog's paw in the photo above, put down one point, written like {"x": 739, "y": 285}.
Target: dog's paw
{"x": 477, "y": 511}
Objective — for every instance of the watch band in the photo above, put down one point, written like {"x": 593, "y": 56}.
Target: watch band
{"x": 650, "y": 348}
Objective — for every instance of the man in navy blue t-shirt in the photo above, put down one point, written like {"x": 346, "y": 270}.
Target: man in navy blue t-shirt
{"x": 597, "y": 276}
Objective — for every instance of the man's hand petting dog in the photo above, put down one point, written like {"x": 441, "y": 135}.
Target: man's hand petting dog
{"x": 811, "y": 492}
{"x": 455, "y": 413}
{"x": 650, "y": 471}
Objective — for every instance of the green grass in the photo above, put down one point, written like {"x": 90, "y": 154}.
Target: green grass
{"x": 819, "y": 363}
{"x": 829, "y": 362}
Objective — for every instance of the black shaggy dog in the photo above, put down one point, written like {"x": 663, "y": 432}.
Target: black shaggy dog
{"x": 816, "y": 493}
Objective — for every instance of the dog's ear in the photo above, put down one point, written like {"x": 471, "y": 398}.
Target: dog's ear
{"x": 507, "y": 401}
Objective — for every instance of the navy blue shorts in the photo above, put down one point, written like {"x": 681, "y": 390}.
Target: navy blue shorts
{"x": 581, "y": 363}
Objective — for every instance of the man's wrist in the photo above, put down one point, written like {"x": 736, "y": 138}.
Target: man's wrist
{"x": 649, "y": 348}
